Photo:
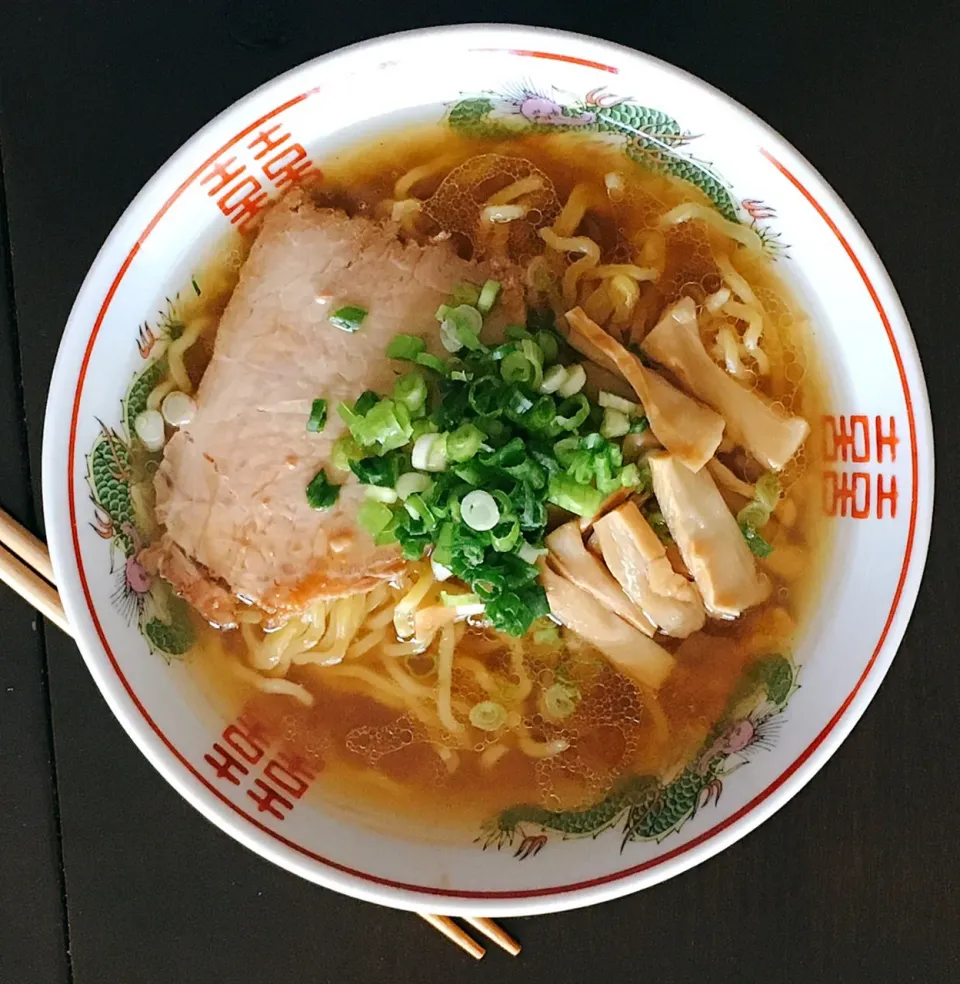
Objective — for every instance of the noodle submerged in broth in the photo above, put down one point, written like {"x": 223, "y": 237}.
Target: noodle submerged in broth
{"x": 444, "y": 693}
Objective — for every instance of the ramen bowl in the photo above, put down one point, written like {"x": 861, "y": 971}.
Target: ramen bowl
{"x": 875, "y": 441}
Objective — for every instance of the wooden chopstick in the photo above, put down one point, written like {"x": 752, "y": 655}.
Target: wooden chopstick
{"x": 23, "y": 544}
{"x": 26, "y": 549}
{"x": 493, "y": 932}
{"x": 445, "y": 925}
{"x": 29, "y": 585}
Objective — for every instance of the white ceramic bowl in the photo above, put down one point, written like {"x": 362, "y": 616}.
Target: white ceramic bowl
{"x": 878, "y": 442}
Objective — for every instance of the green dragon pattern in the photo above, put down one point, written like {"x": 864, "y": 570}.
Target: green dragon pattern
{"x": 650, "y": 137}
{"x": 162, "y": 617}
{"x": 648, "y": 808}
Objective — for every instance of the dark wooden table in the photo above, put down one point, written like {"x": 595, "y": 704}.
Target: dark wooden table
{"x": 106, "y": 875}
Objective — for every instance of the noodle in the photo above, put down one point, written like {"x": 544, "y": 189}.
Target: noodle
{"x": 751, "y": 337}
{"x": 578, "y": 244}
{"x": 502, "y": 213}
{"x": 178, "y": 348}
{"x": 156, "y": 395}
{"x": 574, "y": 210}
{"x": 625, "y": 293}
{"x": 482, "y": 675}
{"x": 405, "y": 183}
{"x": 730, "y": 352}
{"x": 734, "y": 281}
{"x": 519, "y": 188}
{"x": 628, "y": 270}
{"x": 688, "y": 211}
{"x": 389, "y": 691}
{"x": 540, "y": 749}
{"x": 404, "y": 680}
{"x": 445, "y": 681}
{"x": 490, "y": 756}
{"x": 364, "y": 645}
{"x": 271, "y": 685}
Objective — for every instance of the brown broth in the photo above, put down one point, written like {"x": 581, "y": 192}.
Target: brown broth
{"x": 377, "y": 761}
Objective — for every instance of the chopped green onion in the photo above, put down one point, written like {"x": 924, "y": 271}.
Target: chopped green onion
{"x": 575, "y": 381}
{"x": 488, "y": 715}
{"x": 387, "y": 424}
{"x": 417, "y": 507}
{"x": 659, "y": 525}
{"x": 411, "y": 390}
{"x": 431, "y": 362}
{"x": 757, "y": 544}
{"x": 549, "y": 345}
{"x": 348, "y": 318}
{"x": 440, "y": 572}
{"x": 541, "y": 414}
{"x": 406, "y": 347}
{"x": 345, "y": 449}
{"x": 530, "y": 553}
{"x": 367, "y": 400}
{"x": 517, "y": 368}
{"x": 575, "y": 497}
{"x": 572, "y": 412}
{"x": 630, "y": 476}
{"x": 615, "y": 423}
{"x": 757, "y": 513}
{"x": 513, "y": 612}
{"x": 766, "y": 494}
{"x": 479, "y": 510}
{"x": 381, "y": 471}
{"x": 373, "y": 516}
{"x": 456, "y": 600}
{"x": 318, "y": 416}
{"x": 553, "y": 379}
{"x": 517, "y": 403}
{"x": 638, "y": 425}
{"x": 516, "y": 333}
{"x": 321, "y": 492}
{"x": 464, "y": 442}
{"x": 488, "y": 296}
{"x": 547, "y": 633}
{"x": 560, "y": 700}
{"x": 508, "y": 538}
{"x": 411, "y": 482}
{"x": 380, "y": 494}
{"x": 448, "y": 337}
{"x": 613, "y": 402}
{"x": 466, "y": 293}
{"x": 465, "y": 323}
{"x": 483, "y": 397}
{"x": 422, "y": 426}
{"x": 443, "y": 311}
{"x": 150, "y": 429}
{"x": 430, "y": 453}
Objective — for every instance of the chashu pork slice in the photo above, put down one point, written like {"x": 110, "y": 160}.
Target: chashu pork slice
{"x": 231, "y": 487}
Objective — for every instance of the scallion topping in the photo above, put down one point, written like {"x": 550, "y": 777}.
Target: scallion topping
{"x": 479, "y": 510}
{"x": 411, "y": 390}
{"x": 318, "y": 416}
{"x": 488, "y": 715}
{"x": 348, "y": 318}
{"x": 406, "y": 347}
{"x": 321, "y": 492}
{"x": 488, "y": 296}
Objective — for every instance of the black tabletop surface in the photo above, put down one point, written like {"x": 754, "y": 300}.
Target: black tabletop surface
{"x": 106, "y": 875}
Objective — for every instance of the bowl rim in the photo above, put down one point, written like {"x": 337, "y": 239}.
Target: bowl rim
{"x": 134, "y": 718}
